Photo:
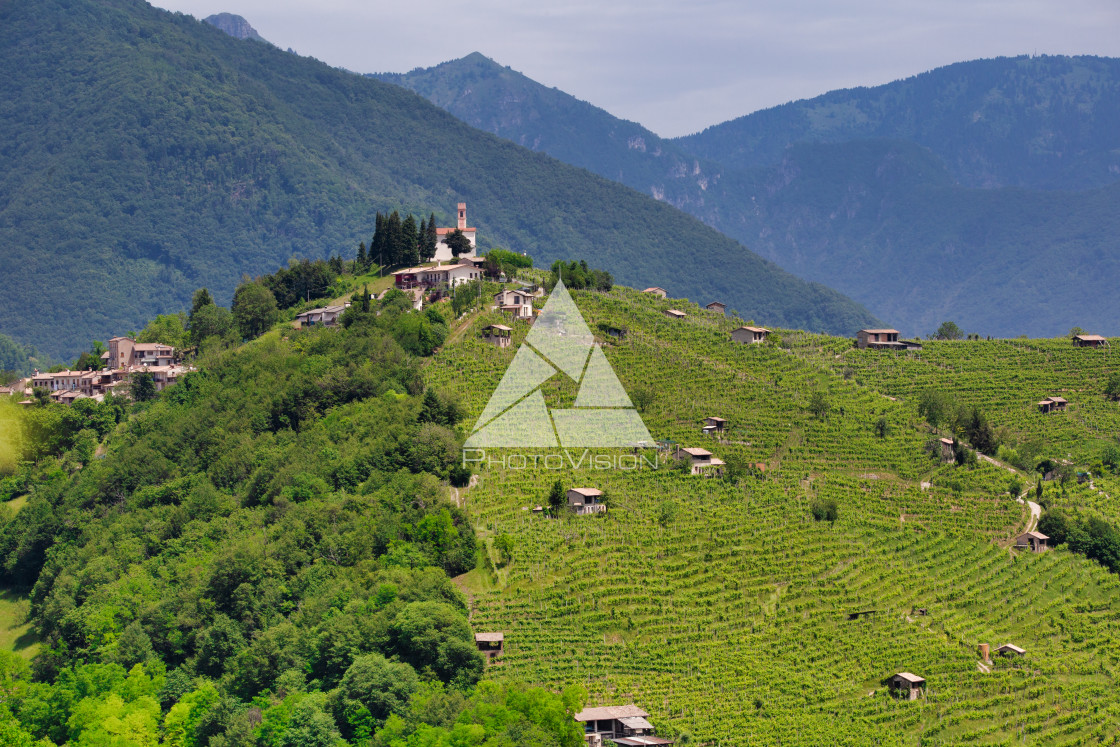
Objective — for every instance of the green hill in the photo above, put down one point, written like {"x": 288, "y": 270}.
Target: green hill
{"x": 147, "y": 154}
{"x": 926, "y": 199}
{"x": 260, "y": 536}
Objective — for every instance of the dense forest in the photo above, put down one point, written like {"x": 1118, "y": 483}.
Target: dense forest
{"x": 259, "y": 556}
{"x": 147, "y": 154}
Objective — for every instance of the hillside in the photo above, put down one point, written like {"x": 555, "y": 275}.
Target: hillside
{"x": 926, "y": 199}
{"x": 724, "y": 608}
{"x": 261, "y": 537}
{"x": 147, "y": 154}
{"x": 1031, "y": 122}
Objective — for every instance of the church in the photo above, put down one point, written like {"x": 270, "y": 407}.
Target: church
{"x": 443, "y": 251}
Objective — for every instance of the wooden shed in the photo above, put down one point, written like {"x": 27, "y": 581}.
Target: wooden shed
{"x": 675, "y": 314}
{"x": 1052, "y": 404}
{"x": 906, "y": 685}
{"x": 1010, "y": 649}
{"x": 1035, "y": 541}
{"x": 714, "y": 425}
{"x": 1090, "y": 341}
{"x": 489, "y": 644}
{"x": 498, "y": 334}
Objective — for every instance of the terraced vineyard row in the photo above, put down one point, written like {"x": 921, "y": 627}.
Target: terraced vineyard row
{"x": 724, "y": 609}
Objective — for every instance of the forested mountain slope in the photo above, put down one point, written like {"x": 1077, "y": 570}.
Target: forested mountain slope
{"x": 922, "y": 199}
{"x": 147, "y": 153}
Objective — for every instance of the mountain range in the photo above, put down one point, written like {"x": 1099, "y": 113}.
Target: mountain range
{"x": 147, "y": 153}
{"x": 983, "y": 192}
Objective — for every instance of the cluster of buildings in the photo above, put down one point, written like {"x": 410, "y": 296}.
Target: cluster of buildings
{"x": 124, "y": 358}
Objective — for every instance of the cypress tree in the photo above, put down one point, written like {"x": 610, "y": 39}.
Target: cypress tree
{"x": 394, "y": 247}
{"x": 409, "y": 246}
{"x": 431, "y": 238}
{"x": 363, "y": 260}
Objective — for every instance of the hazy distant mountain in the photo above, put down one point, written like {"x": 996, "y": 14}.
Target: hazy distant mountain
{"x": 234, "y": 25}
{"x": 1033, "y": 122}
{"x": 146, "y": 154}
{"x": 890, "y": 194}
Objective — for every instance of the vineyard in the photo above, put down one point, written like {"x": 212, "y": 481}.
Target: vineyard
{"x": 729, "y": 613}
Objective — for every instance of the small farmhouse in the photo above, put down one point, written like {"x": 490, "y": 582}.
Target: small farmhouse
{"x": 1010, "y": 649}
{"x": 1052, "y": 404}
{"x": 586, "y": 501}
{"x": 675, "y": 314}
{"x": 659, "y": 292}
{"x": 326, "y": 316}
{"x": 702, "y": 461}
{"x": 517, "y": 302}
{"x": 906, "y": 685}
{"x": 497, "y": 334}
{"x": 436, "y": 276}
{"x": 625, "y": 725}
{"x": 750, "y": 335}
{"x": 1090, "y": 341}
{"x": 1036, "y": 541}
{"x": 717, "y": 307}
{"x": 489, "y": 644}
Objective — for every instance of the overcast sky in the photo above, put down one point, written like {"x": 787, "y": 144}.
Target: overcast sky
{"x": 677, "y": 66}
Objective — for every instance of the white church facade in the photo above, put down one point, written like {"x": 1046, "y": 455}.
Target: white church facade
{"x": 443, "y": 251}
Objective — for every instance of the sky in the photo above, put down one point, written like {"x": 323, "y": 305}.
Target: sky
{"x": 678, "y": 66}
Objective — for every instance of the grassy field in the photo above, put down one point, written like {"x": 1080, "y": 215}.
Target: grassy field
{"x": 15, "y": 632}
{"x": 724, "y": 609}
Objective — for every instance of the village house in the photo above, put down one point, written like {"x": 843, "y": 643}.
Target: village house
{"x": 1090, "y": 341}
{"x": 1036, "y": 541}
{"x": 906, "y": 685}
{"x": 713, "y": 425}
{"x": 702, "y": 461}
{"x": 436, "y": 276}
{"x": 443, "y": 251}
{"x": 516, "y": 302}
{"x": 125, "y": 352}
{"x": 498, "y": 334}
{"x": 750, "y": 335}
{"x": 717, "y": 307}
{"x": 625, "y": 725}
{"x": 659, "y": 292}
{"x": 489, "y": 644}
{"x": 675, "y": 314}
{"x": 1052, "y": 404}
{"x": 1010, "y": 649}
{"x": 586, "y": 501}
{"x": 326, "y": 316}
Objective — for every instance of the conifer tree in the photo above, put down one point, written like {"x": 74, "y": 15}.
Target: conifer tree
{"x": 394, "y": 247}
{"x": 409, "y": 242}
{"x": 431, "y": 238}
{"x": 363, "y": 259}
